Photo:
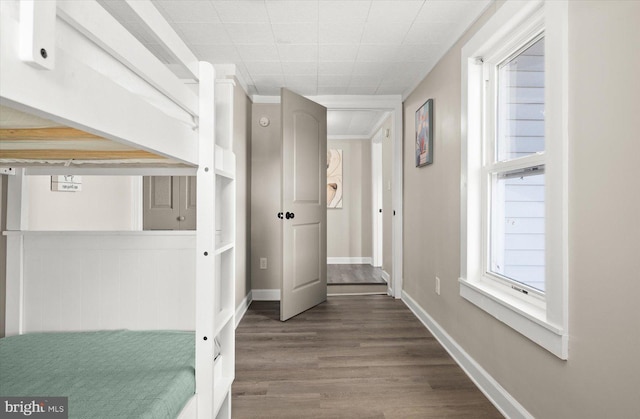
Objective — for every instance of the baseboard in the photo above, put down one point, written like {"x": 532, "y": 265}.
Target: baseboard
{"x": 265, "y": 295}
{"x": 501, "y": 399}
{"x": 349, "y": 261}
{"x": 386, "y": 276}
{"x": 243, "y": 307}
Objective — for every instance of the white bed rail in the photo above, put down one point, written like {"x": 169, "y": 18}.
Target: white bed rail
{"x": 87, "y": 86}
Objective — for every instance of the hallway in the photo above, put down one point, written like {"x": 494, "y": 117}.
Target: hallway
{"x": 350, "y": 357}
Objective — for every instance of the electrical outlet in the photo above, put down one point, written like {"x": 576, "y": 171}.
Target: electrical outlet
{"x": 437, "y": 285}
{"x": 263, "y": 263}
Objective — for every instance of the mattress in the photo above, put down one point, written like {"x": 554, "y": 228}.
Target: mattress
{"x": 105, "y": 374}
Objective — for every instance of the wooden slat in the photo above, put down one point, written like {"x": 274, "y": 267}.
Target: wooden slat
{"x": 77, "y": 154}
{"x": 57, "y": 133}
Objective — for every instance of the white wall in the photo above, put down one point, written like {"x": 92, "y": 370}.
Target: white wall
{"x": 266, "y": 186}
{"x": 104, "y": 203}
{"x": 387, "y": 198}
{"x": 602, "y": 374}
{"x": 242, "y": 150}
{"x": 349, "y": 228}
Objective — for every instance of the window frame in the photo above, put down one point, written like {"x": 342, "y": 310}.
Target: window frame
{"x": 543, "y": 318}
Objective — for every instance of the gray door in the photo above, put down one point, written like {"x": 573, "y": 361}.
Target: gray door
{"x": 304, "y": 204}
{"x": 169, "y": 203}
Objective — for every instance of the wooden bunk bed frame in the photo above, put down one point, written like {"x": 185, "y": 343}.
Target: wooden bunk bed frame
{"x": 48, "y": 51}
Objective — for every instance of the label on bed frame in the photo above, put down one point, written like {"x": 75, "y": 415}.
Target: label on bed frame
{"x": 34, "y": 407}
{"x": 66, "y": 183}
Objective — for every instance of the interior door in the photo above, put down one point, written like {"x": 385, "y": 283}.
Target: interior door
{"x": 304, "y": 204}
{"x": 169, "y": 203}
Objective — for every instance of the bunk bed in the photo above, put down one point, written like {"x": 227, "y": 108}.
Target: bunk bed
{"x": 79, "y": 94}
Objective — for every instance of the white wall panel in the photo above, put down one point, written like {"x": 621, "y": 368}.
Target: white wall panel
{"x": 90, "y": 281}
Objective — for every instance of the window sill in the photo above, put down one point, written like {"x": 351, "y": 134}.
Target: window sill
{"x": 526, "y": 318}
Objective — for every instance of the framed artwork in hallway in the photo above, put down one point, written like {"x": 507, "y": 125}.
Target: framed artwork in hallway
{"x": 424, "y": 134}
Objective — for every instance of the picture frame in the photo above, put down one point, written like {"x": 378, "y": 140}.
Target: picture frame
{"x": 424, "y": 134}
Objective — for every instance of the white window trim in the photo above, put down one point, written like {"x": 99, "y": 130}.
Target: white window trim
{"x": 545, "y": 322}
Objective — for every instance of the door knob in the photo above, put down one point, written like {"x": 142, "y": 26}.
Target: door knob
{"x": 181, "y": 218}
{"x": 280, "y": 215}
{"x": 289, "y": 215}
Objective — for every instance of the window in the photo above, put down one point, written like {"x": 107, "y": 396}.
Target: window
{"x": 515, "y": 168}
{"x": 514, "y": 227}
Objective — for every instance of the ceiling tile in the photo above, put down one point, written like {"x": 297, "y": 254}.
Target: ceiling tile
{"x": 359, "y": 80}
{"x": 188, "y": 10}
{"x": 330, "y": 52}
{"x": 416, "y": 53}
{"x": 370, "y": 69}
{"x": 304, "y": 52}
{"x": 217, "y": 54}
{"x": 376, "y": 53}
{"x": 390, "y": 33}
{"x": 339, "y": 11}
{"x": 299, "y": 68}
{"x": 335, "y": 67}
{"x": 310, "y": 80}
{"x": 385, "y": 11}
{"x": 268, "y": 80}
{"x": 241, "y": 11}
{"x": 362, "y": 90}
{"x": 292, "y": 11}
{"x": 203, "y": 33}
{"x": 432, "y": 33}
{"x": 295, "y": 33}
{"x": 256, "y": 33}
{"x": 334, "y": 80}
{"x": 262, "y": 68}
{"x": 339, "y": 33}
{"x": 266, "y": 52}
{"x": 331, "y": 90}
{"x": 450, "y": 10}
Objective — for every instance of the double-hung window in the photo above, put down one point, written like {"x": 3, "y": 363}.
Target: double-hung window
{"x": 514, "y": 189}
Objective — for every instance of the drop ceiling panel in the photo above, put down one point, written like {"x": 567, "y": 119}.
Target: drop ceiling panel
{"x": 337, "y": 47}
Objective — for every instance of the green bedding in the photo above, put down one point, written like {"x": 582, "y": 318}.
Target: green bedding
{"x": 105, "y": 374}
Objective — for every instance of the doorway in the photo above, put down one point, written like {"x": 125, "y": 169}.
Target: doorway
{"x": 359, "y": 165}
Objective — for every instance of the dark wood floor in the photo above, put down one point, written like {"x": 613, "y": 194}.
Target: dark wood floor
{"x": 354, "y": 274}
{"x": 351, "y": 357}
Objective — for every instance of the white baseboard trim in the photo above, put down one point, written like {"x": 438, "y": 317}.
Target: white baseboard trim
{"x": 386, "y": 276}
{"x": 265, "y": 295}
{"x": 501, "y": 399}
{"x": 243, "y": 307}
{"x": 349, "y": 261}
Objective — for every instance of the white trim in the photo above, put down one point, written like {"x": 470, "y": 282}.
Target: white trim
{"x": 165, "y": 35}
{"x": 386, "y": 276}
{"x": 266, "y": 295}
{"x": 94, "y": 22}
{"x": 377, "y": 235}
{"x": 136, "y": 203}
{"x": 243, "y": 306}
{"x": 544, "y": 322}
{"x": 348, "y": 261}
{"x": 501, "y": 399}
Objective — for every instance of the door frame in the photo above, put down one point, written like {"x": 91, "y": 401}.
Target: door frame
{"x": 393, "y": 105}
{"x": 377, "y": 235}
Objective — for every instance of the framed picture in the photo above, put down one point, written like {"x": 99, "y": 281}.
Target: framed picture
{"x": 424, "y": 134}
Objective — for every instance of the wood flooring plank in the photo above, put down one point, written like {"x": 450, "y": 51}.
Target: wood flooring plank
{"x": 351, "y": 357}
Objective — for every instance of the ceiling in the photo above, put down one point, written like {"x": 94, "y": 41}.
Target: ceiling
{"x": 314, "y": 47}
